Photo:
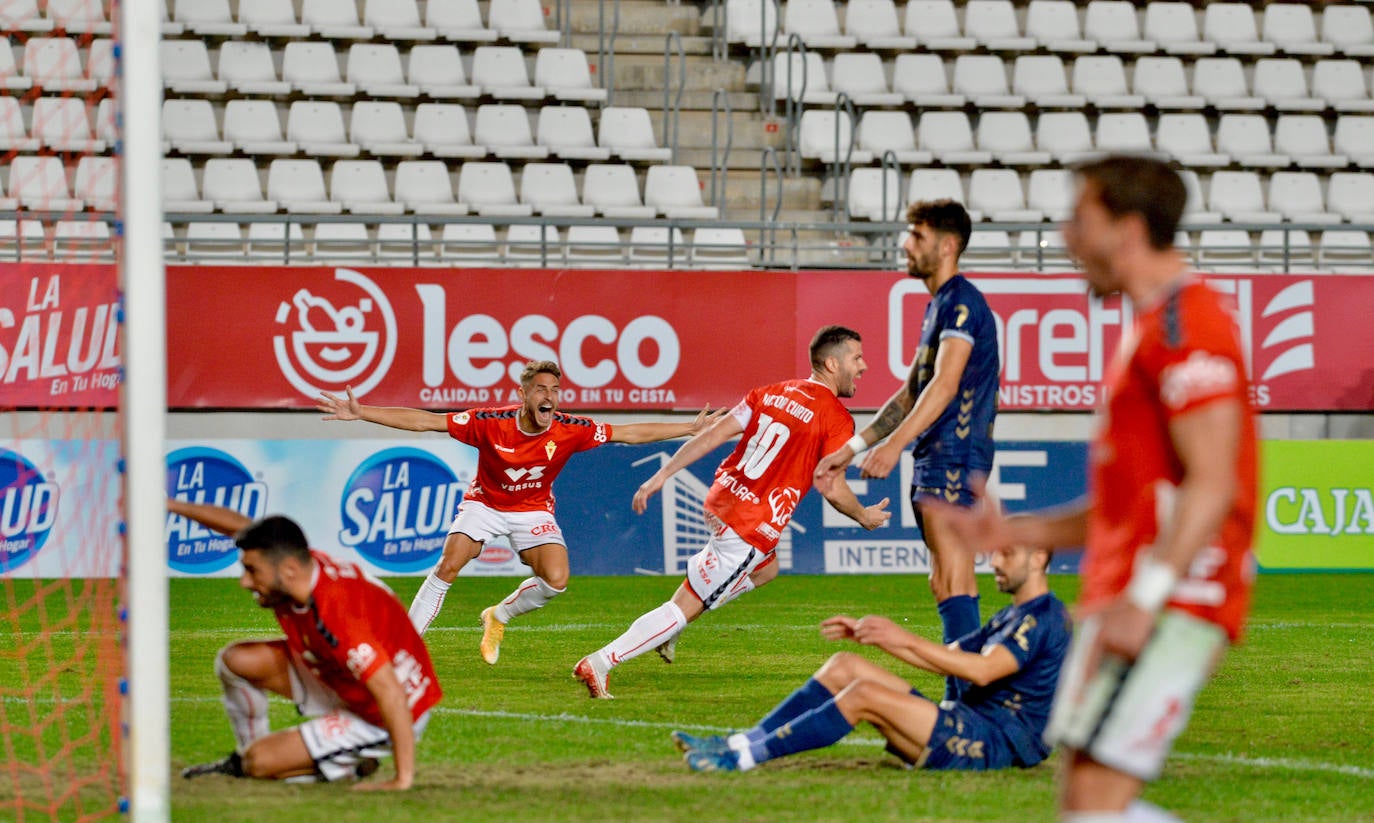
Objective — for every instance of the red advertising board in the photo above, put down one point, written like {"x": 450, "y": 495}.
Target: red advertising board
{"x": 250, "y": 337}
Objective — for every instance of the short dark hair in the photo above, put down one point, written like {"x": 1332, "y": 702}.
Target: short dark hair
{"x": 944, "y": 216}
{"x": 276, "y": 536}
{"x": 534, "y": 367}
{"x": 824, "y": 343}
{"x": 1134, "y": 184}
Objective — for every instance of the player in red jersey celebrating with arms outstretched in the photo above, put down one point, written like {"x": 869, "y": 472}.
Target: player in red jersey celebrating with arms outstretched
{"x": 1170, "y": 515}
{"x": 785, "y": 428}
{"x": 520, "y": 450}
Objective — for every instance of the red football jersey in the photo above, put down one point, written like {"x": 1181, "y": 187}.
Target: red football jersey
{"x": 515, "y": 469}
{"x": 352, "y": 626}
{"x": 788, "y": 428}
{"x": 1181, "y": 354}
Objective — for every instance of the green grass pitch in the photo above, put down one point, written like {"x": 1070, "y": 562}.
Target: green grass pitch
{"x": 1285, "y": 731}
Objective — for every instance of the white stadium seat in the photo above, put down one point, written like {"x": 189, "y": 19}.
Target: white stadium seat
{"x": 1113, "y": 25}
{"x": 185, "y": 68}
{"x": 179, "y": 190}
{"x": 566, "y": 131}
{"x": 614, "y": 191}
{"x": 1304, "y": 138}
{"x": 1173, "y": 25}
{"x": 500, "y": 71}
{"x": 317, "y": 126}
{"x": 313, "y": 70}
{"x": 1161, "y": 81}
{"x": 232, "y": 185}
{"x": 1123, "y": 132}
{"x": 335, "y": 19}
{"x": 342, "y": 242}
{"x": 1188, "y": 140}
{"x": 1351, "y": 195}
{"x": 566, "y": 75}
{"x": 458, "y": 20}
{"x": 860, "y": 75}
{"x": 1290, "y": 27}
{"x": 993, "y": 24}
{"x": 1064, "y": 134}
{"x": 505, "y": 131}
{"x": 14, "y": 135}
{"x": 376, "y": 70}
{"x": 949, "y": 137}
{"x": 1246, "y": 138}
{"x": 1051, "y": 192}
{"x": 1054, "y": 25}
{"x": 1102, "y": 80}
{"x": 520, "y": 21}
{"x": 272, "y": 18}
{"x": 1232, "y": 27}
{"x": 1297, "y": 195}
{"x": 1041, "y": 80}
{"x": 397, "y": 20}
{"x": 982, "y": 78}
{"x": 1342, "y": 85}
{"x": 442, "y": 128}
{"x": 298, "y": 186}
{"x": 1282, "y": 83}
{"x": 629, "y": 134}
{"x": 551, "y": 190}
{"x": 1238, "y": 197}
{"x": 921, "y": 79}
{"x": 189, "y": 127}
{"x": 254, "y": 127}
{"x": 360, "y": 187}
{"x": 657, "y": 246}
{"x": 884, "y": 131}
{"x": 40, "y": 184}
{"x": 247, "y": 68}
{"x": 875, "y": 194}
{"x": 935, "y": 26}
{"x": 816, "y": 23}
{"x": 874, "y": 23}
{"x": 1221, "y": 81}
{"x": 423, "y": 187}
{"x": 62, "y": 124}
{"x": 998, "y": 194}
{"x": 1007, "y": 134}
{"x": 675, "y": 191}
{"x": 1348, "y": 27}
{"x": 95, "y": 182}
{"x": 437, "y": 70}
{"x": 489, "y": 189}
{"x": 208, "y": 18}
{"x": 379, "y": 128}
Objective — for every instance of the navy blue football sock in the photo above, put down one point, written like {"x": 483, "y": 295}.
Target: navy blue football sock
{"x": 809, "y": 696}
{"x": 959, "y": 616}
{"x": 822, "y": 726}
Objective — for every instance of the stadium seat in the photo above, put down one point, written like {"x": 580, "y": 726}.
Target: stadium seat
{"x": 614, "y": 191}
{"x": 179, "y": 191}
{"x": 1007, "y": 134}
{"x": 1341, "y": 84}
{"x": 1188, "y": 140}
{"x": 875, "y": 25}
{"x": 992, "y": 23}
{"x": 1342, "y": 248}
{"x": 397, "y": 20}
{"x": 1349, "y": 29}
{"x": 1221, "y": 82}
{"x": 22, "y": 239}
{"x": 216, "y": 242}
{"x": 272, "y": 18}
{"x": 1297, "y": 195}
{"x": 1065, "y": 135}
{"x": 921, "y": 79}
{"x": 10, "y": 76}
{"x": 376, "y": 70}
{"x": 1054, "y": 25}
{"x": 54, "y": 65}
{"x": 937, "y": 184}
{"x": 595, "y": 245}
{"x": 1194, "y": 212}
{"x": 949, "y": 137}
{"x": 1281, "y": 82}
{"x": 505, "y": 131}
{"x": 208, "y": 18}
{"x": 860, "y": 76}
{"x": 335, "y": 19}
{"x": 489, "y": 189}
{"x": 186, "y": 68}
{"x": 1351, "y": 195}
{"x": 751, "y": 22}
{"x": 989, "y": 248}
{"x": 1236, "y": 195}
{"x": 551, "y": 190}
{"x": 189, "y": 127}
{"x": 1123, "y": 132}
{"x": 1354, "y": 136}
{"x": 935, "y": 26}
{"x": 469, "y": 244}
{"x": 22, "y": 15}
{"x": 982, "y": 78}
{"x": 413, "y": 242}
{"x": 818, "y": 137}
{"x": 78, "y": 16}
{"x": 1231, "y": 26}
{"x": 313, "y": 70}
{"x": 100, "y": 63}
{"x": 14, "y": 135}
{"x": 801, "y": 77}
{"x": 564, "y": 73}
{"x": 658, "y": 246}
{"x": 500, "y": 72}
{"x": 1225, "y": 250}
{"x": 82, "y": 241}
{"x": 675, "y": 192}
{"x": 169, "y": 28}
{"x": 438, "y": 72}
{"x": 1160, "y": 80}
{"x": 62, "y": 124}
{"x": 566, "y": 131}
{"x": 1051, "y": 192}
{"x": 997, "y": 193}
{"x": 105, "y": 121}
{"x": 1290, "y": 27}
{"x": 816, "y": 23}
{"x": 1246, "y": 138}
{"x": 276, "y": 241}
{"x": 254, "y": 127}
{"x": 880, "y": 132}
{"x": 1304, "y": 138}
{"x": 1173, "y": 26}
{"x": 95, "y": 182}
{"x": 1043, "y": 249}
{"x": 1113, "y": 25}
{"x": 360, "y": 187}
{"x": 520, "y": 21}
{"x": 458, "y": 20}
{"x": 247, "y": 68}
{"x": 876, "y": 194}
{"x": 298, "y": 186}
{"x": 442, "y": 128}
{"x": 629, "y": 134}
{"x": 534, "y": 245}
{"x": 317, "y": 126}
{"x": 423, "y": 187}
{"x": 1041, "y": 80}
{"x": 717, "y": 247}
{"x": 342, "y": 243}
{"x": 1101, "y": 79}
{"x": 379, "y": 128}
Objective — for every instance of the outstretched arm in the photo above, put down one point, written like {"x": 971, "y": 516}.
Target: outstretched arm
{"x": 836, "y": 489}
{"x": 654, "y": 432}
{"x": 724, "y": 428}
{"x": 348, "y": 408}
{"x": 391, "y": 702}
{"x": 215, "y": 518}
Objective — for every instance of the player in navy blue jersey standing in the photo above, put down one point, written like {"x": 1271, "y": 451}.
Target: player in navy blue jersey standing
{"x": 945, "y": 410}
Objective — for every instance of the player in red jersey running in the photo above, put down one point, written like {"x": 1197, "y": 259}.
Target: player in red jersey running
{"x": 520, "y": 450}
{"x": 786, "y": 428}
{"x": 1169, "y": 520}
{"x": 350, "y": 660}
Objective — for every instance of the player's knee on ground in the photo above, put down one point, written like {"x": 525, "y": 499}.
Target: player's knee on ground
{"x": 255, "y": 765}
{"x": 839, "y": 671}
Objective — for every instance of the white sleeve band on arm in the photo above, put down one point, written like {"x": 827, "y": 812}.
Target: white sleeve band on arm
{"x": 1151, "y": 584}
{"x": 857, "y": 444}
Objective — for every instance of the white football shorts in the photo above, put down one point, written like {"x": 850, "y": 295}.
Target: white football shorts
{"x": 336, "y": 738}
{"x": 526, "y": 529}
{"x": 720, "y": 571}
{"x": 1127, "y": 716}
